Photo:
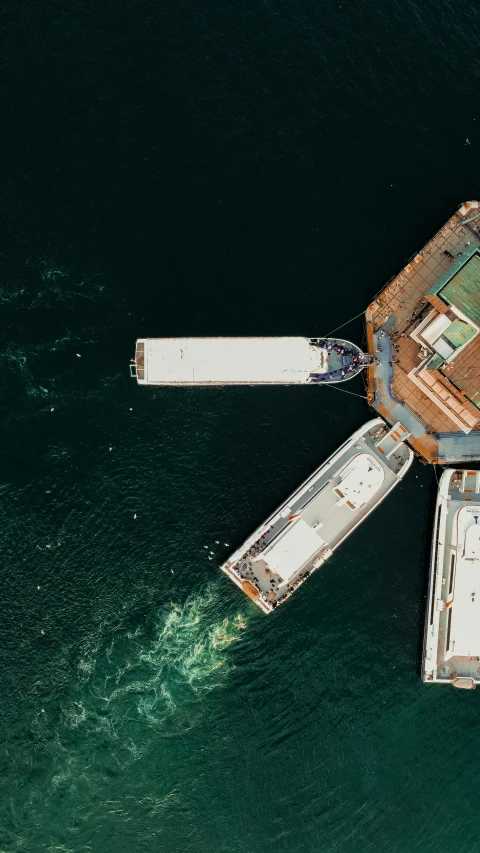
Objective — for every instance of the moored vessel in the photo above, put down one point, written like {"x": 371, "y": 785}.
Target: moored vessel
{"x": 246, "y": 361}
{"x": 451, "y": 653}
{"x": 309, "y": 526}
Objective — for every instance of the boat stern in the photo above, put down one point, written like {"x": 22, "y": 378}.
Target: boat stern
{"x": 137, "y": 364}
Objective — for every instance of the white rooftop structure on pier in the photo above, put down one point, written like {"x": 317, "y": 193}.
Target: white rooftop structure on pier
{"x": 228, "y": 361}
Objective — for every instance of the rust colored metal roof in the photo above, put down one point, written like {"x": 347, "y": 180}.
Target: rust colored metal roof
{"x": 464, "y": 371}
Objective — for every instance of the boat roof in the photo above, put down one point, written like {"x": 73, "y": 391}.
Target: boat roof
{"x": 465, "y": 626}
{"x": 231, "y": 360}
{"x": 325, "y": 513}
{"x": 359, "y": 480}
{"x": 292, "y": 549}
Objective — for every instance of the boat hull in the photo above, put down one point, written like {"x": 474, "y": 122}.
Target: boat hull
{"x": 451, "y": 647}
{"x": 283, "y": 552}
{"x": 222, "y": 361}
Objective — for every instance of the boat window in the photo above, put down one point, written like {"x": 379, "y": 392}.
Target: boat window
{"x": 449, "y": 625}
{"x": 452, "y": 567}
{"x": 434, "y": 566}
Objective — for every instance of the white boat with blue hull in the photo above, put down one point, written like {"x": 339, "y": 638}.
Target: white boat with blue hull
{"x": 451, "y": 653}
{"x": 246, "y": 361}
{"x": 307, "y": 528}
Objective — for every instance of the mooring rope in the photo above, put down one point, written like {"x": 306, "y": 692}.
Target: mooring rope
{"x": 345, "y": 324}
{"x": 344, "y": 391}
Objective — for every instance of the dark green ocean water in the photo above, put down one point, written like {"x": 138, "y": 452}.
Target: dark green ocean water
{"x": 193, "y": 169}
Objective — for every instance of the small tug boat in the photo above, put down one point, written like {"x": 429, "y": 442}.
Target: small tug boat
{"x": 306, "y": 529}
{"x": 451, "y": 653}
{"x": 246, "y": 361}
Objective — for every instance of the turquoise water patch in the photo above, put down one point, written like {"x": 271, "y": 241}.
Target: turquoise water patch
{"x": 132, "y": 692}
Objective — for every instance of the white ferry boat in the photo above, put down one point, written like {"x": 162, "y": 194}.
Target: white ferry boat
{"x": 307, "y": 528}
{"x": 246, "y": 361}
{"x": 451, "y": 652}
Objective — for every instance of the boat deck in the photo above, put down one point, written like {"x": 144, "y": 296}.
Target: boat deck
{"x": 310, "y": 525}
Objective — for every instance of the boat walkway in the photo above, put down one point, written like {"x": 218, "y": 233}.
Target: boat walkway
{"x": 383, "y": 386}
{"x": 392, "y": 409}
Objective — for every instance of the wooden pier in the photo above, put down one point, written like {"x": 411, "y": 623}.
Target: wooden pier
{"x": 424, "y": 330}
